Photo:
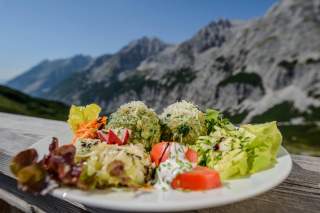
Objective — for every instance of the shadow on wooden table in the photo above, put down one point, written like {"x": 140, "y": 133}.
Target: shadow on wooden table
{"x": 6, "y": 208}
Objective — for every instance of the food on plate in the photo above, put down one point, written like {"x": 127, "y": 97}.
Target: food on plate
{"x": 198, "y": 150}
{"x": 84, "y": 146}
{"x": 23, "y": 159}
{"x": 142, "y": 121}
{"x": 38, "y": 176}
{"x": 113, "y": 165}
{"x": 118, "y": 136}
{"x": 160, "y": 152}
{"x": 176, "y": 167}
{"x": 168, "y": 167}
{"x": 30, "y": 176}
{"x": 183, "y": 122}
{"x": 237, "y": 151}
{"x": 82, "y": 114}
{"x": 198, "y": 179}
{"x": 105, "y": 165}
{"x": 85, "y": 121}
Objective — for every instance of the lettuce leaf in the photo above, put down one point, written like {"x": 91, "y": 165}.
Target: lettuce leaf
{"x": 264, "y": 147}
{"x": 240, "y": 151}
{"x": 81, "y": 114}
{"x": 234, "y": 163}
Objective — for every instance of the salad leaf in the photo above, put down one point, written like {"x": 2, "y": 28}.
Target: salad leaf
{"x": 239, "y": 151}
{"x": 56, "y": 167}
{"x": 215, "y": 119}
{"x": 234, "y": 163}
{"x": 23, "y": 159}
{"x": 32, "y": 178}
{"x": 264, "y": 147}
{"x": 81, "y": 114}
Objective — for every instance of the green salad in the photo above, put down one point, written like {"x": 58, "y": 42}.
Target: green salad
{"x": 237, "y": 151}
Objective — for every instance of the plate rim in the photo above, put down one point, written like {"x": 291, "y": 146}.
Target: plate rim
{"x": 62, "y": 193}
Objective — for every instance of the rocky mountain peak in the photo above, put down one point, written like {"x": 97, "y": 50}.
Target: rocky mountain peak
{"x": 144, "y": 46}
{"x": 81, "y": 57}
{"x": 212, "y": 35}
{"x": 131, "y": 55}
{"x": 123, "y": 62}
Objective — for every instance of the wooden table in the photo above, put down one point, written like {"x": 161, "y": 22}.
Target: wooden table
{"x": 300, "y": 192}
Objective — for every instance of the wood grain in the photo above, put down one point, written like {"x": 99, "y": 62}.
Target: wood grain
{"x": 300, "y": 192}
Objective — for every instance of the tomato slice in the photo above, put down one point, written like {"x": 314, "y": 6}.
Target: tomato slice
{"x": 160, "y": 152}
{"x": 200, "y": 178}
{"x": 192, "y": 155}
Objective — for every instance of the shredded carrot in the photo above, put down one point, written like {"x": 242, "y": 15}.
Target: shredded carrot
{"x": 89, "y": 129}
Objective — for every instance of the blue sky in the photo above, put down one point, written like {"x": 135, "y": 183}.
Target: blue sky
{"x": 31, "y": 31}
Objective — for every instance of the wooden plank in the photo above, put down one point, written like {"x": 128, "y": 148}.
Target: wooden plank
{"x": 19, "y": 204}
{"x": 5, "y": 207}
{"x": 43, "y": 203}
{"x": 308, "y": 163}
{"x": 300, "y": 192}
{"x": 19, "y": 132}
{"x": 26, "y": 124}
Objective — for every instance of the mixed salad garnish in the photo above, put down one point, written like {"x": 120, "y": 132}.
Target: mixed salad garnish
{"x": 182, "y": 149}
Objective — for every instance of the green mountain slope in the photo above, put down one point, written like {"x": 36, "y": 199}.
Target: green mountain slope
{"x": 12, "y": 101}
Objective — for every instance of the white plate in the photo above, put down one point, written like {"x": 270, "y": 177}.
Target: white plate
{"x": 232, "y": 190}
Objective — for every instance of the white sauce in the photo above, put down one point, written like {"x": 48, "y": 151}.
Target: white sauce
{"x": 174, "y": 165}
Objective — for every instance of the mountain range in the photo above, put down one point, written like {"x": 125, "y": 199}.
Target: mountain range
{"x": 256, "y": 70}
{"x": 40, "y": 79}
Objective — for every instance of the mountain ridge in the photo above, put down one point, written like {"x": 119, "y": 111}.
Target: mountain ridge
{"x": 40, "y": 78}
{"x": 244, "y": 68}
{"x": 110, "y": 70}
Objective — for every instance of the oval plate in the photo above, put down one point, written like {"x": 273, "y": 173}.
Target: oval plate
{"x": 161, "y": 201}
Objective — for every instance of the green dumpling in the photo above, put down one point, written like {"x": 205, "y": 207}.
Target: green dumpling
{"x": 141, "y": 120}
{"x": 182, "y": 122}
